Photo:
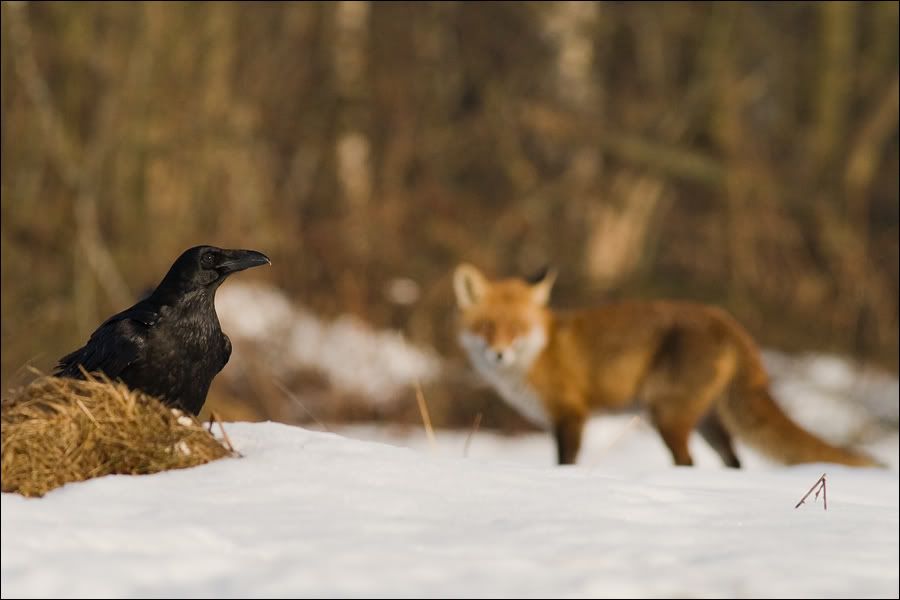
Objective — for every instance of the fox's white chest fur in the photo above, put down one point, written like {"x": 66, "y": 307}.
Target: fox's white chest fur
{"x": 510, "y": 380}
{"x": 517, "y": 392}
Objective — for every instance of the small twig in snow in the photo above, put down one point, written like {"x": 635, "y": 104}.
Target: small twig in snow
{"x": 818, "y": 486}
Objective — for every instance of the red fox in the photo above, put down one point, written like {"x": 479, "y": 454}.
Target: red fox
{"x": 691, "y": 365}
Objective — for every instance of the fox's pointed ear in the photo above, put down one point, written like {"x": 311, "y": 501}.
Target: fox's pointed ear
{"x": 540, "y": 291}
{"x": 469, "y": 285}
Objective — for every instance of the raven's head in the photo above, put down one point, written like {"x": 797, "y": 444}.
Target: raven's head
{"x": 206, "y": 267}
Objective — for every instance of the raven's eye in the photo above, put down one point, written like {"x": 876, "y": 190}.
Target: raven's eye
{"x": 208, "y": 259}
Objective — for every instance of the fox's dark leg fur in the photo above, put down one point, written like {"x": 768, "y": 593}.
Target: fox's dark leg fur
{"x": 568, "y": 432}
{"x": 715, "y": 434}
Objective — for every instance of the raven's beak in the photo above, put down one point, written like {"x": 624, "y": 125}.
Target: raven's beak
{"x": 238, "y": 260}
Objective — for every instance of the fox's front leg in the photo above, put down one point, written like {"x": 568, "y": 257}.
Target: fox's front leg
{"x": 568, "y": 429}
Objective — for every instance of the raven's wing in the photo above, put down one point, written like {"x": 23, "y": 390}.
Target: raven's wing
{"x": 115, "y": 345}
{"x": 227, "y": 351}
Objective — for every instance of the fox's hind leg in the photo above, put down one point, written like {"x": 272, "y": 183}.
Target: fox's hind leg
{"x": 715, "y": 434}
{"x": 675, "y": 429}
{"x": 676, "y": 415}
{"x": 692, "y": 368}
{"x": 568, "y": 432}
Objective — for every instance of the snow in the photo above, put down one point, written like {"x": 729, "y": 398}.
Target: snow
{"x": 316, "y": 514}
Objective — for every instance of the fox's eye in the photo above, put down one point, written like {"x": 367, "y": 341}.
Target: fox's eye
{"x": 208, "y": 259}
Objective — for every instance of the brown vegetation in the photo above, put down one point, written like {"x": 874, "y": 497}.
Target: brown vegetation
{"x": 56, "y": 431}
{"x": 743, "y": 154}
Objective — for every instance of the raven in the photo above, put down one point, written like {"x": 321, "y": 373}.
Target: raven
{"x": 169, "y": 344}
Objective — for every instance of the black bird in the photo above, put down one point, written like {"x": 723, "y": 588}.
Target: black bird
{"x": 169, "y": 344}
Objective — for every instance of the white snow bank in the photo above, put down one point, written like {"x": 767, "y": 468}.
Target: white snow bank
{"x": 831, "y": 395}
{"x": 354, "y": 357}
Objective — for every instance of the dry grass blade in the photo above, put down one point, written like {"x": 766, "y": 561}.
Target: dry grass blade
{"x": 426, "y": 418}
{"x": 60, "y": 430}
{"x": 292, "y": 396}
{"x": 215, "y": 416}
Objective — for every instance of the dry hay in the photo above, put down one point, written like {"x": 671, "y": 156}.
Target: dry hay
{"x": 57, "y": 430}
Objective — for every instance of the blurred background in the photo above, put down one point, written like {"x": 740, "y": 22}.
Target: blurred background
{"x": 742, "y": 154}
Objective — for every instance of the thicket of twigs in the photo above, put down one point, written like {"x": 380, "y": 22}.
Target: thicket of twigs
{"x": 738, "y": 153}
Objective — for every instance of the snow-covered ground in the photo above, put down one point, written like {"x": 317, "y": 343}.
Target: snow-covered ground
{"x": 313, "y": 514}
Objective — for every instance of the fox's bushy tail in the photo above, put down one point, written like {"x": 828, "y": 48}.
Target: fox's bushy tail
{"x": 750, "y": 412}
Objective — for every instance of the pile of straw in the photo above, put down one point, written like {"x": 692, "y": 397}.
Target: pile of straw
{"x": 59, "y": 430}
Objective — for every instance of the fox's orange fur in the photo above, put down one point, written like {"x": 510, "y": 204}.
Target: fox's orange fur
{"x": 690, "y": 365}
